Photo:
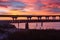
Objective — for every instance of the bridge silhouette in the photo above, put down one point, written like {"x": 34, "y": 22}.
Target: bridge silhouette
{"x": 30, "y": 20}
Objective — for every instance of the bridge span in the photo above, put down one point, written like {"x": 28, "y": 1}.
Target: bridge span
{"x": 29, "y": 19}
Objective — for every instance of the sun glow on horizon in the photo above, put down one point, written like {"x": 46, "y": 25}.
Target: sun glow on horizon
{"x": 25, "y": 12}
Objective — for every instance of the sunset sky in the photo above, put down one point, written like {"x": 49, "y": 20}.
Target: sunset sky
{"x": 31, "y": 7}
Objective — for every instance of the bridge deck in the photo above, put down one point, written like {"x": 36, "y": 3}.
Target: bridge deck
{"x": 29, "y": 21}
{"x": 26, "y": 15}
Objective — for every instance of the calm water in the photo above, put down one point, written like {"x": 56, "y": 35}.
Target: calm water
{"x": 46, "y": 25}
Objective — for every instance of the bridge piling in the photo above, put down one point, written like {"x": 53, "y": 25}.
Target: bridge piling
{"x": 15, "y": 19}
{"x": 54, "y": 17}
{"x": 39, "y": 17}
{"x": 59, "y": 17}
{"x": 27, "y": 25}
{"x": 47, "y": 17}
{"x": 41, "y": 25}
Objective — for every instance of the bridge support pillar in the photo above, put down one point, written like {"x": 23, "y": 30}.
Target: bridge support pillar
{"x": 14, "y": 19}
{"x": 18, "y": 24}
{"x": 59, "y": 17}
{"x": 41, "y": 25}
{"x": 27, "y": 25}
{"x": 39, "y": 18}
{"x": 54, "y": 17}
{"x": 47, "y": 17}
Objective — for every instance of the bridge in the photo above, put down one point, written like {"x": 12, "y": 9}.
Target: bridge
{"x": 29, "y": 19}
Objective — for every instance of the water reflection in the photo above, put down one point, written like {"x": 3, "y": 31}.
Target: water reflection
{"x": 37, "y": 25}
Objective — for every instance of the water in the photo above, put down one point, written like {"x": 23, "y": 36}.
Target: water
{"x": 46, "y": 25}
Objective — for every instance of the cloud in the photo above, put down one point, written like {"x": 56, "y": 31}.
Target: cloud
{"x": 13, "y": 4}
{"x": 27, "y": 1}
{"x": 56, "y": 10}
{"x": 35, "y": 5}
{"x": 51, "y": 5}
{"x": 4, "y": 0}
{"x": 18, "y": 5}
{"x": 3, "y": 10}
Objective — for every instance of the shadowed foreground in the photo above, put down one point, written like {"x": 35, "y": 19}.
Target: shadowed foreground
{"x": 36, "y": 35}
{"x": 10, "y": 32}
{"x": 6, "y": 30}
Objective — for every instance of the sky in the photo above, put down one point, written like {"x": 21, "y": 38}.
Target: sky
{"x": 31, "y": 7}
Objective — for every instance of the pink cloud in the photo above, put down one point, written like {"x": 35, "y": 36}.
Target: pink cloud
{"x": 39, "y": 4}
{"x": 4, "y": 0}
